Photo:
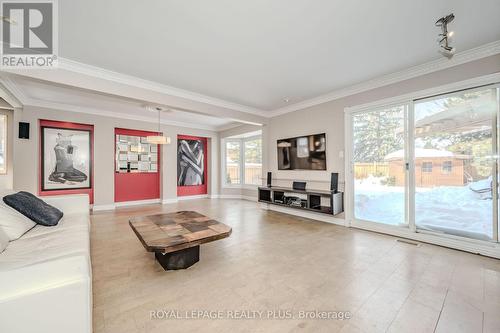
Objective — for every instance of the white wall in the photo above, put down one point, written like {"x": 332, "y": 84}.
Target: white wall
{"x": 26, "y": 152}
{"x": 329, "y": 118}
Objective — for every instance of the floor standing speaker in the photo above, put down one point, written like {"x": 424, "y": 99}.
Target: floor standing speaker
{"x": 269, "y": 178}
{"x": 334, "y": 182}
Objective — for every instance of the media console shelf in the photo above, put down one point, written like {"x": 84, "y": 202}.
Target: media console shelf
{"x": 311, "y": 200}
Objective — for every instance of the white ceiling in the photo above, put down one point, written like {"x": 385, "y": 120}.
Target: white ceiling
{"x": 258, "y": 52}
{"x": 77, "y": 100}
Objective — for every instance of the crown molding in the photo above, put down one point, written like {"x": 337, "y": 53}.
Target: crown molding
{"x": 12, "y": 89}
{"x": 102, "y": 73}
{"x": 483, "y": 51}
{"x": 228, "y": 126}
{"x": 463, "y": 57}
{"x": 112, "y": 114}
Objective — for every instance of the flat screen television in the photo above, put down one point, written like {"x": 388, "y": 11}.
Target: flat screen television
{"x": 302, "y": 153}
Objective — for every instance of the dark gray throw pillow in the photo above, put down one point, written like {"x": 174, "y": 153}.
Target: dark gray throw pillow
{"x": 34, "y": 208}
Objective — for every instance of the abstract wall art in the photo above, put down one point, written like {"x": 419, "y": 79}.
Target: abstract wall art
{"x": 190, "y": 162}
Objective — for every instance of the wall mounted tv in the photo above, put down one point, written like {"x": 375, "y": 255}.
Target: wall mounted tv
{"x": 306, "y": 152}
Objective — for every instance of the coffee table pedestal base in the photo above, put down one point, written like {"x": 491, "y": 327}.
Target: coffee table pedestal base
{"x": 179, "y": 259}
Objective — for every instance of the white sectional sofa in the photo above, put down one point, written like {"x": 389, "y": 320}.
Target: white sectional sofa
{"x": 46, "y": 276}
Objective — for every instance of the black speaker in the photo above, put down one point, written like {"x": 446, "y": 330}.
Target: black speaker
{"x": 24, "y": 130}
{"x": 269, "y": 178}
{"x": 334, "y": 182}
{"x": 301, "y": 186}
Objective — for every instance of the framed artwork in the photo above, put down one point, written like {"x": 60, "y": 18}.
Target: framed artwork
{"x": 66, "y": 158}
{"x": 190, "y": 162}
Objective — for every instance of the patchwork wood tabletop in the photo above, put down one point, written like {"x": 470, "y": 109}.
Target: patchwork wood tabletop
{"x": 176, "y": 231}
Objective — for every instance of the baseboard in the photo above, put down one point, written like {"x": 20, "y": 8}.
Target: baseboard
{"x": 310, "y": 215}
{"x": 192, "y": 197}
{"x": 96, "y": 208}
{"x": 235, "y": 196}
{"x": 169, "y": 201}
{"x": 125, "y": 204}
{"x": 248, "y": 198}
{"x": 229, "y": 196}
{"x": 472, "y": 246}
{"x": 137, "y": 202}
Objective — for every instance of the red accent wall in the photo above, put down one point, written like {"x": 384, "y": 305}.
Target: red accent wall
{"x": 198, "y": 189}
{"x": 68, "y": 125}
{"x": 139, "y": 185}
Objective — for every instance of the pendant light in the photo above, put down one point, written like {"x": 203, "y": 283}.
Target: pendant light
{"x": 158, "y": 139}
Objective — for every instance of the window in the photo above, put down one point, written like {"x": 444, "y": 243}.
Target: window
{"x": 426, "y": 166}
{"x": 233, "y": 165}
{"x": 243, "y": 161}
{"x": 433, "y": 164}
{"x": 447, "y": 166}
{"x": 3, "y": 144}
{"x": 253, "y": 161}
{"x": 379, "y": 164}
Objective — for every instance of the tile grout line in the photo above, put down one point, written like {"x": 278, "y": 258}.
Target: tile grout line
{"x": 441, "y": 311}
{"x": 406, "y": 299}
{"x": 445, "y": 297}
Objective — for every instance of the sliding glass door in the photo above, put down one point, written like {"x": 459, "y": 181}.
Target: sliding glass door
{"x": 379, "y": 157}
{"x": 428, "y": 165}
{"x": 455, "y": 163}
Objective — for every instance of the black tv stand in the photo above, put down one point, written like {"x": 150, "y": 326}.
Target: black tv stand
{"x": 310, "y": 199}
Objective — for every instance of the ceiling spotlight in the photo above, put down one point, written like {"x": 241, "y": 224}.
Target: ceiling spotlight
{"x": 445, "y": 48}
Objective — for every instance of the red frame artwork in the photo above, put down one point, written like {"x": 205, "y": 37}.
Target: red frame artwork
{"x": 140, "y": 185}
{"x": 196, "y": 189}
{"x": 72, "y": 126}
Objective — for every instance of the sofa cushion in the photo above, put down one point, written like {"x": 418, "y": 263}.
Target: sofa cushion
{"x": 44, "y": 247}
{"x": 13, "y": 223}
{"x": 68, "y": 222}
{"x": 4, "y": 240}
{"x": 34, "y": 208}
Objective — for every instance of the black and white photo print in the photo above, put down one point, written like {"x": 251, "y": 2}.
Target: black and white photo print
{"x": 190, "y": 162}
{"x": 66, "y": 159}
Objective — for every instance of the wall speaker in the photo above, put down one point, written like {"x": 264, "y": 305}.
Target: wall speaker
{"x": 269, "y": 178}
{"x": 24, "y": 130}
{"x": 301, "y": 186}
{"x": 334, "y": 182}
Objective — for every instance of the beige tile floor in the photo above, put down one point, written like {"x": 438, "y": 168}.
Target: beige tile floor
{"x": 278, "y": 262}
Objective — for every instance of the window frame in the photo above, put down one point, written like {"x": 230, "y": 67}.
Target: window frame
{"x": 241, "y": 142}
{"x": 224, "y": 163}
{"x": 444, "y": 167}
{"x": 429, "y": 167}
{"x": 462, "y": 243}
{"x": 5, "y": 138}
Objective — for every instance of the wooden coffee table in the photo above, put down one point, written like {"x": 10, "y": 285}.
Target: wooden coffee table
{"x": 175, "y": 238}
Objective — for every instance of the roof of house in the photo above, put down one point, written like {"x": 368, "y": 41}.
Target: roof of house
{"x": 424, "y": 153}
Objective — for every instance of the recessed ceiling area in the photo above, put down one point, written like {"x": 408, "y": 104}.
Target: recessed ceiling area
{"x": 79, "y": 100}
{"x": 260, "y": 53}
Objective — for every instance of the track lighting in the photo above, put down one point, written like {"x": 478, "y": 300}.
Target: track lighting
{"x": 445, "y": 48}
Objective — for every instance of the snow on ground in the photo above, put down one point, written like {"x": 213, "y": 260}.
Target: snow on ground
{"x": 452, "y": 209}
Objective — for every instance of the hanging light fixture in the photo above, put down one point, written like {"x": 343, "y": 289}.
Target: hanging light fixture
{"x": 158, "y": 139}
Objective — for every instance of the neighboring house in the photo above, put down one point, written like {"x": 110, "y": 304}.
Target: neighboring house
{"x": 433, "y": 167}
